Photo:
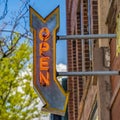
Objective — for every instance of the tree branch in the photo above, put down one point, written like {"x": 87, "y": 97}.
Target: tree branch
{"x": 5, "y": 11}
{"x": 22, "y": 35}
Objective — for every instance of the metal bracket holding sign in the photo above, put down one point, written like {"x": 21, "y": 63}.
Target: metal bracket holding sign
{"x": 85, "y": 37}
{"x": 44, "y": 30}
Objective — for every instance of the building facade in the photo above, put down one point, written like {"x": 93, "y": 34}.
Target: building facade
{"x": 93, "y": 97}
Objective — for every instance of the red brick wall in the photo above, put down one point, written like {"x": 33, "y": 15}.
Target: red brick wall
{"x": 115, "y": 111}
{"x": 70, "y": 82}
{"x": 75, "y": 84}
{"x": 115, "y": 62}
{"x": 115, "y": 81}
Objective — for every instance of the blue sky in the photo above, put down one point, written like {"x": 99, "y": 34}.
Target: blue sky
{"x": 44, "y": 7}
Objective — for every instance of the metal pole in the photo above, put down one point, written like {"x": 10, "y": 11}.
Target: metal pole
{"x": 89, "y": 30}
{"x": 90, "y": 73}
{"x": 91, "y": 36}
{"x": 82, "y": 32}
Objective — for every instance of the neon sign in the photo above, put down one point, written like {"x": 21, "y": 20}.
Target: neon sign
{"x": 44, "y": 46}
{"x": 50, "y": 91}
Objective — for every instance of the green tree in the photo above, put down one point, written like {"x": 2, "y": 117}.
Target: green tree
{"x": 17, "y": 98}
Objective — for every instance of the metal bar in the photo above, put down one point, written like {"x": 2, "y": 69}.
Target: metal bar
{"x": 89, "y": 30}
{"x": 82, "y": 32}
{"x": 91, "y": 36}
{"x": 89, "y": 73}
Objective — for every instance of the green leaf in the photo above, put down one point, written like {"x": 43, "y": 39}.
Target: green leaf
{"x": 18, "y": 100}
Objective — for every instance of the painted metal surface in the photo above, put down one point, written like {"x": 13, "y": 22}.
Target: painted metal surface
{"x": 89, "y": 36}
{"x": 45, "y": 83}
{"x": 82, "y": 33}
{"x": 88, "y": 73}
{"x": 89, "y": 30}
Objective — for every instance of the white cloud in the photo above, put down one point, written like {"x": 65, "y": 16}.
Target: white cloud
{"x": 61, "y": 67}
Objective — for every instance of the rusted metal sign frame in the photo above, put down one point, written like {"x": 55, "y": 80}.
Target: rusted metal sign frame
{"x": 55, "y": 91}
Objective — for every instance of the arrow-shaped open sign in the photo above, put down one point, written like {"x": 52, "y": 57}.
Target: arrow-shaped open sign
{"x": 45, "y": 83}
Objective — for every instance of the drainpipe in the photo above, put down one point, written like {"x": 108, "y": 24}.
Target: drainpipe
{"x": 82, "y": 41}
{"x": 89, "y": 32}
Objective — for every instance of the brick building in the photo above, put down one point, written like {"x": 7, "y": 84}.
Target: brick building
{"x": 93, "y": 97}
